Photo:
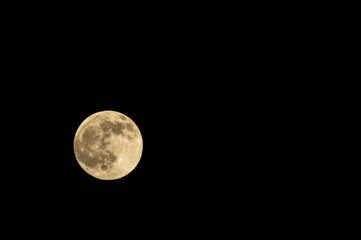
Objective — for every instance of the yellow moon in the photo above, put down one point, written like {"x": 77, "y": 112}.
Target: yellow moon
{"x": 108, "y": 145}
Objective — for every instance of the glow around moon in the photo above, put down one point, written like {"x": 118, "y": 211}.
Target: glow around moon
{"x": 108, "y": 145}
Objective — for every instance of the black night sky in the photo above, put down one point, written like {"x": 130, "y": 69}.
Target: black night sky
{"x": 198, "y": 94}
{"x": 168, "y": 94}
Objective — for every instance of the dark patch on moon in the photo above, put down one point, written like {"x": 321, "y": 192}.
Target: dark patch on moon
{"x": 129, "y": 127}
{"x": 84, "y": 157}
{"x": 90, "y": 161}
{"x": 118, "y": 128}
{"x": 99, "y": 135}
{"x": 100, "y": 156}
{"x": 90, "y": 136}
{"x": 103, "y": 144}
{"x": 109, "y": 156}
{"x": 106, "y": 135}
{"x": 106, "y": 125}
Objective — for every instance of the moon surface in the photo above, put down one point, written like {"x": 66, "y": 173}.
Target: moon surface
{"x": 108, "y": 145}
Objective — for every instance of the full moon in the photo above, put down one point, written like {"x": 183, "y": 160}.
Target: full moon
{"x": 108, "y": 145}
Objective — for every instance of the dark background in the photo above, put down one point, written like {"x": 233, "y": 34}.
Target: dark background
{"x": 172, "y": 90}
{"x": 211, "y": 97}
